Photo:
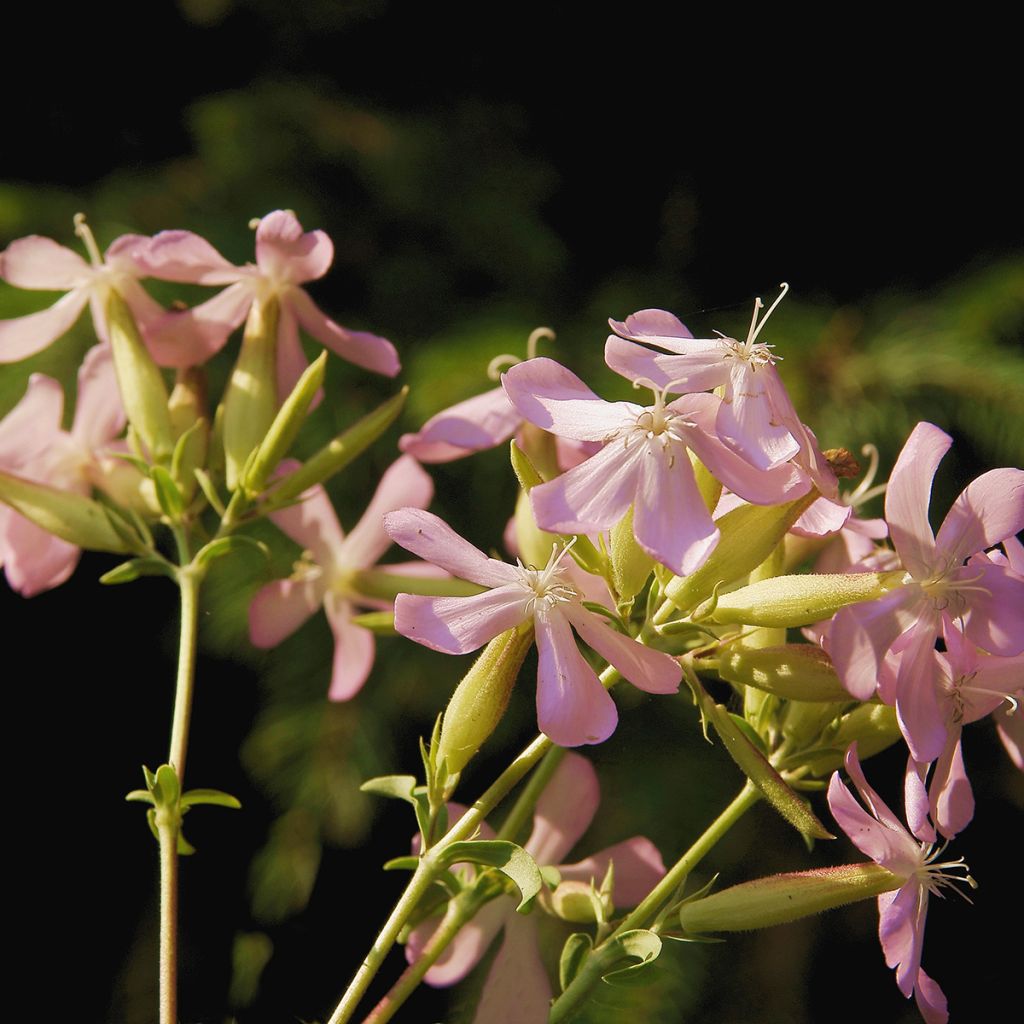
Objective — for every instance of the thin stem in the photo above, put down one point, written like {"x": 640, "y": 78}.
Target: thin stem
{"x": 576, "y": 994}
{"x": 189, "y": 580}
{"x": 168, "y": 834}
{"x": 527, "y": 799}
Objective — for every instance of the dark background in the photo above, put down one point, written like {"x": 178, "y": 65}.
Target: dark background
{"x": 483, "y": 171}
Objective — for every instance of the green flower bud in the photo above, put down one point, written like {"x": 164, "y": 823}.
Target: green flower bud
{"x": 479, "y": 701}
{"x": 575, "y": 902}
{"x": 795, "y": 671}
{"x": 795, "y": 600}
{"x": 873, "y": 726}
{"x": 630, "y": 565}
{"x": 534, "y": 543}
{"x": 780, "y": 899}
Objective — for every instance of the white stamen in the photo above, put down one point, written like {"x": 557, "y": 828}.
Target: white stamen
{"x": 84, "y": 232}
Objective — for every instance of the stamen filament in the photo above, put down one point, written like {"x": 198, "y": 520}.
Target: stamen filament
{"x": 84, "y": 232}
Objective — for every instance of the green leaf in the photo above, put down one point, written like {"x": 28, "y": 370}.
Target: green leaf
{"x": 142, "y": 796}
{"x": 216, "y": 797}
{"x": 208, "y": 488}
{"x": 134, "y": 568}
{"x": 225, "y": 545}
{"x": 511, "y": 860}
{"x": 402, "y": 864}
{"x": 574, "y": 953}
{"x": 398, "y": 787}
{"x": 167, "y": 494}
{"x": 643, "y": 945}
{"x": 166, "y": 788}
{"x": 748, "y": 730}
{"x": 378, "y": 623}
{"x": 524, "y": 469}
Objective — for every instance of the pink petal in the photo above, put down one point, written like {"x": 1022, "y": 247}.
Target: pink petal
{"x": 291, "y": 360}
{"x": 875, "y": 803}
{"x": 24, "y": 336}
{"x": 930, "y": 999}
{"x": 405, "y": 483}
{"x": 433, "y": 540}
{"x": 468, "y": 947}
{"x": 41, "y": 263}
{"x": 638, "y": 868}
{"x": 354, "y": 649}
{"x": 313, "y": 524}
{"x": 192, "y": 337}
{"x": 651, "y": 671}
{"x": 1011, "y": 732}
{"x": 860, "y": 636}
{"x": 99, "y": 412}
{"x": 184, "y": 256}
{"x": 915, "y": 800}
{"x": 458, "y": 625}
{"x": 33, "y": 559}
{"x": 564, "y": 811}
{"x": 655, "y": 326}
{"x": 746, "y": 420}
{"x": 280, "y": 608}
{"x": 572, "y": 705}
{"x": 988, "y": 510}
{"x": 921, "y": 719}
{"x": 555, "y": 399}
{"x": 824, "y": 517}
{"x": 996, "y": 619}
{"x": 909, "y": 494}
{"x": 595, "y": 495}
{"x": 517, "y": 990}
{"x": 284, "y": 252}
{"x": 884, "y": 845}
{"x": 901, "y": 931}
{"x": 691, "y": 366}
{"x": 360, "y": 347}
{"x": 480, "y": 422}
{"x": 29, "y": 429}
{"x": 951, "y": 798}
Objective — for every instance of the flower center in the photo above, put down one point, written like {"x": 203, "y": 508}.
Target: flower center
{"x": 755, "y": 354}
{"x": 547, "y": 586}
{"x": 656, "y": 422}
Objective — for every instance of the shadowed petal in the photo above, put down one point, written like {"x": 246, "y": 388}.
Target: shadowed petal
{"x": 572, "y": 706}
{"x": 354, "y": 649}
{"x": 189, "y": 338}
{"x": 99, "y": 413}
{"x": 930, "y": 999}
{"x": 988, "y": 510}
{"x": 564, "y": 811}
{"x": 921, "y": 718}
{"x": 458, "y": 625}
{"x": 901, "y": 931}
{"x": 29, "y": 429}
{"x": 280, "y": 608}
{"x": 517, "y": 990}
{"x": 33, "y": 559}
{"x": 468, "y": 947}
{"x": 186, "y": 257}
{"x": 638, "y": 868}
{"x": 951, "y": 797}
{"x": 909, "y": 494}
{"x": 747, "y": 423}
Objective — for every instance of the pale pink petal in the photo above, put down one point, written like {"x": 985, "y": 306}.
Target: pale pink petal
{"x": 909, "y": 494}
{"x": 699, "y": 368}
{"x": 99, "y": 412}
{"x": 284, "y": 252}
{"x": 572, "y": 706}
{"x": 996, "y": 619}
{"x": 988, "y": 510}
{"x": 313, "y": 525}
{"x": 1011, "y": 732}
{"x": 458, "y": 625}
{"x": 354, "y": 649}
{"x": 638, "y": 869}
{"x": 651, "y": 671}
{"x": 432, "y": 539}
{"x": 24, "y": 336}
{"x": 860, "y": 636}
{"x": 1014, "y": 554}
{"x": 41, "y": 263}
{"x": 592, "y": 497}
{"x": 555, "y": 399}
{"x": 823, "y": 518}
{"x": 951, "y": 798}
{"x": 184, "y": 256}
{"x": 33, "y": 559}
{"x": 480, "y": 422}
{"x": 571, "y": 453}
{"x": 468, "y": 947}
{"x": 747, "y": 423}
{"x": 359, "y": 347}
{"x": 878, "y": 807}
{"x": 920, "y": 715}
{"x": 901, "y": 931}
{"x": 191, "y": 337}
{"x": 915, "y": 801}
{"x": 564, "y": 811}
{"x": 280, "y": 608}
{"x": 670, "y": 520}
{"x": 887, "y": 846}
{"x": 930, "y": 999}
{"x": 29, "y": 429}
{"x": 291, "y": 360}
{"x": 655, "y": 326}
{"x": 517, "y": 990}
{"x": 404, "y": 484}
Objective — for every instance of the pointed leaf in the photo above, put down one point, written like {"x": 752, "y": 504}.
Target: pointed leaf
{"x": 398, "y": 787}
{"x": 166, "y": 787}
{"x": 574, "y": 953}
{"x": 511, "y": 860}
{"x": 646, "y": 947}
{"x": 140, "y": 796}
{"x": 526, "y": 472}
{"x": 225, "y": 545}
{"x": 216, "y": 797}
{"x": 133, "y": 569}
{"x": 402, "y": 864}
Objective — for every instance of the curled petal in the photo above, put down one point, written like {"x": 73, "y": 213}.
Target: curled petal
{"x": 988, "y": 510}
{"x": 687, "y": 367}
{"x": 909, "y": 494}
{"x": 188, "y": 258}
{"x": 360, "y": 347}
{"x": 930, "y": 999}
{"x": 824, "y": 517}
{"x": 280, "y": 608}
{"x": 431, "y": 538}
{"x": 638, "y": 868}
{"x": 284, "y": 252}
{"x": 883, "y": 844}
{"x": 480, "y": 422}
{"x": 572, "y": 706}
{"x": 653, "y": 326}
{"x": 24, "y": 336}
{"x": 354, "y": 649}
{"x": 458, "y": 625}
{"x": 555, "y": 399}
{"x": 565, "y": 810}
{"x": 747, "y": 422}
{"x": 921, "y": 719}
{"x": 951, "y": 797}
{"x": 651, "y": 671}
{"x": 41, "y": 263}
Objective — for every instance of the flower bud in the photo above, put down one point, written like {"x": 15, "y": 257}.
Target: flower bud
{"x": 630, "y": 564}
{"x": 575, "y": 901}
{"x": 795, "y": 671}
{"x": 787, "y": 601}
{"x": 874, "y": 727}
{"x": 534, "y": 544}
{"x": 749, "y": 535}
{"x": 780, "y": 899}
{"x": 479, "y": 701}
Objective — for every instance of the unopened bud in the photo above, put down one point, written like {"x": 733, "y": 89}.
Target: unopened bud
{"x": 579, "y": 903}
{"x": 874, "y": 727}
{"x": 794, "y": 671}
{"x": 631, "y": 566}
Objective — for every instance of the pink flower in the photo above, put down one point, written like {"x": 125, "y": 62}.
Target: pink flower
{"x": 987, "y": 599}
{"x": 914, "y": 857}
{"x": 286, "y": 257}
{"x": 327, "y": 575}
{"x": 645, "y": 463}
{"x": 33, "y": 446}
{"x": 517, "y": 990}
{"x": 41, "y": 263}
{"x": 572, "y": 705}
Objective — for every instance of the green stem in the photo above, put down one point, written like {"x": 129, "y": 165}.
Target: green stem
{"x": 527, "y": 799}
{"x": 189, "y": 581}
{"x": 168, "y": 834}
{"x": 576, "y": 994}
